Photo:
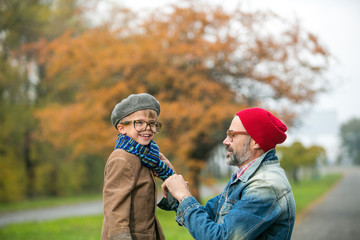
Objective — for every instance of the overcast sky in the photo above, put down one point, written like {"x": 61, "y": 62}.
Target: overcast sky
{"x": 335, "y": 22}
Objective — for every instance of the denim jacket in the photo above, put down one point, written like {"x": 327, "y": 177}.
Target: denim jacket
{"x": 258, "y": 205}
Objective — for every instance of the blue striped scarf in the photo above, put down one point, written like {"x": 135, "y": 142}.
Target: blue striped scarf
{"x": 149, "y": 155}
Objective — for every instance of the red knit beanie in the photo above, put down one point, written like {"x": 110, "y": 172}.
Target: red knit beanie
{"x": 266, "y": 129}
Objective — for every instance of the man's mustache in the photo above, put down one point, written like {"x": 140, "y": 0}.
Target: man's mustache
{"x": 229, "y": 149}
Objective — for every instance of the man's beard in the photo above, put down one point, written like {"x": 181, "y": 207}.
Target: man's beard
{"x": 238, "y": 158}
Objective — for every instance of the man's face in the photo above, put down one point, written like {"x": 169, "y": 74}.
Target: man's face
{"x": 237, "y": 145}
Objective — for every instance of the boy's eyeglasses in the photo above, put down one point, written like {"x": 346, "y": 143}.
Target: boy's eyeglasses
{"x": 140, "y": 125}
{"x": 231, "y": 134}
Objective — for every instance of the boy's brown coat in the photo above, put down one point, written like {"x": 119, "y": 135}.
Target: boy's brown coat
{"x": 129, "y": 199}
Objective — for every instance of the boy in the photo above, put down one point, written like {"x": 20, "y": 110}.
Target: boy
{"x": 129, "y": 194}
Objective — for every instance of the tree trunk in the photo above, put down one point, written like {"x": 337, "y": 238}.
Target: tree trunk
{"x": 29, "y": 166}
{"x": 296, "y": 174}
{"x": 195, "y": 183}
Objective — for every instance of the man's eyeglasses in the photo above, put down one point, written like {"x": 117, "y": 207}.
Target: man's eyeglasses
{"x": 140, "y": 125}
{"x": 231, "y": 134}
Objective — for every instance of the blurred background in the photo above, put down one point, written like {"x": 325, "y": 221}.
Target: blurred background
{"x": 64, "y": 65}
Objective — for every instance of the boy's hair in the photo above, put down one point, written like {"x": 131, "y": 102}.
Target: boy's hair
{"x": 147, "y": 112}
{"x": 134, "y": 103}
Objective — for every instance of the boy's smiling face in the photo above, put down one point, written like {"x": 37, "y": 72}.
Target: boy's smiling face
{"x": 142, "y": 137}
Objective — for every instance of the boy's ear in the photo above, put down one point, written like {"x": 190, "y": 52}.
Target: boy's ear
{"x": 121, "y": 128}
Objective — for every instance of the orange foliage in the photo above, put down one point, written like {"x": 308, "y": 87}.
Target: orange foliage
{"x": 191, "y": 60}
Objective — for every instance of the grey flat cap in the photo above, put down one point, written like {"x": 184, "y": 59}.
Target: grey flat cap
{"x": 133, "y": 103}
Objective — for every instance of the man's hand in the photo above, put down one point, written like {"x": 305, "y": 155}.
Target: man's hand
{"x": 177, "y": 186}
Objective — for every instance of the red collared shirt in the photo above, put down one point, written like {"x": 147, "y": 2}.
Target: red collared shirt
{"x": 242, "y": 169}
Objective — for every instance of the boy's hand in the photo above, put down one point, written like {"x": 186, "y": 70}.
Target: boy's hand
{"x": 166, "y": 161}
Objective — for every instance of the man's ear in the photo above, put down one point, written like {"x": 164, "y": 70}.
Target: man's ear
{"x": 256, "y": 146}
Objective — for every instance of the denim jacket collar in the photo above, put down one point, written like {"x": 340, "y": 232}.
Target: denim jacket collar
{"x": 269, "y": 155}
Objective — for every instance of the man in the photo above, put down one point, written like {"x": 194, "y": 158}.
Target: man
{"x": 258, "y": 202}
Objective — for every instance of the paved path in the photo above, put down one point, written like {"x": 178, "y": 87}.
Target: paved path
{"x": 337, "y": 215}
{"x": 80, "y": 209}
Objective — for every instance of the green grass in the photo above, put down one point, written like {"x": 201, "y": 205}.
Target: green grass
{"x": 82, "y": 228}
{"x": 77, "y": 228}
{"x": 170, "y": 228}
{"x": 89, "y": 227}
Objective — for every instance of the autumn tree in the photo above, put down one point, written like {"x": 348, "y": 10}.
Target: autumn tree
{"x": 22, "y": 25}
{"x": 203, "y": 64}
